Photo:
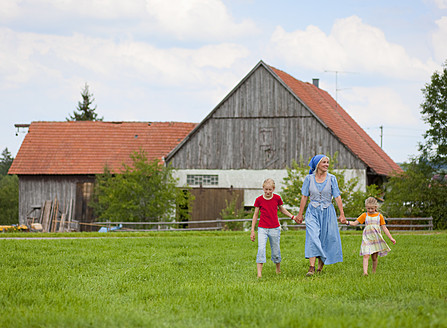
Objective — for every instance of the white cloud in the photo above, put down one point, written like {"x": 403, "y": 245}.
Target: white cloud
{"x": 186, "y": 20}
{"x": 197, "y": 19}
{"x": 439, "y": 38}
{"x": 351, "y": 46}
{"x": 379, "y": 106}
{"x": 9, "y": 9}
{"x": 442, "y": 4}
{"x": 27, "y": 56}
{"x": 100, "y": 9}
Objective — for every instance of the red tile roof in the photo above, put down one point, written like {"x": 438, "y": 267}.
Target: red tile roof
{"x": 84, "y": 147}
{"x": 341, "y": 124}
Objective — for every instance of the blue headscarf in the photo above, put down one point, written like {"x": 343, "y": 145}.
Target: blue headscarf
{"x": 314, "y": 162}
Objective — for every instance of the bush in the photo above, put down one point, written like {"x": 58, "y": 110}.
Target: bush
{"x": 353, "y": 199}
{"x": 232, "y": 212}
{"x": 417, "y": 192}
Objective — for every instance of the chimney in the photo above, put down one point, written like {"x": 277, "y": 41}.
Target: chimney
{"x": 316, "y": 82}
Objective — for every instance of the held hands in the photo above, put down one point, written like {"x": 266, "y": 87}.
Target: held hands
{"x": 342, "y": 218}
{"x": 298, "y": 219}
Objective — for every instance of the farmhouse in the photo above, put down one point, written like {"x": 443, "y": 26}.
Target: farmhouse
{"x": 60, "y": 159}
{"x": 268, "y": 120}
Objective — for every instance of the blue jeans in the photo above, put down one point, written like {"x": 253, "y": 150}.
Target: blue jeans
{"x": 274, "y": 236}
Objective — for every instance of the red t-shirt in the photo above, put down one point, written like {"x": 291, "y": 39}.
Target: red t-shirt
{"x": 269, "y": 211}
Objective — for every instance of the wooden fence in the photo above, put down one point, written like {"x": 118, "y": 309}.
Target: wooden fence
{"x": 409, "y": 223}
{"x": 402, "y": 224}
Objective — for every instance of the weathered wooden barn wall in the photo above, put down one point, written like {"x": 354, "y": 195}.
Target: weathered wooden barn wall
{"x": 259, "y": 125}
{"x": 34, "y": 190}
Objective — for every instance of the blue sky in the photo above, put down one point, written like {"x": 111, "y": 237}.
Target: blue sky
{"x": 174, "y": 60}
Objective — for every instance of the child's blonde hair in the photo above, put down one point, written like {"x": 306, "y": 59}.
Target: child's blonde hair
{"x": 371, "y": 201}
{"x": 268, "y": 182}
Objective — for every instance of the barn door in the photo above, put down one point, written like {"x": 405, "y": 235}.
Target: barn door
{"x": 209, "y": 202}
{"x": 84, "y": 213}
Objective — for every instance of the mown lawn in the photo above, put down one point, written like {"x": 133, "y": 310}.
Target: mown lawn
{"x": 208, "y": 279}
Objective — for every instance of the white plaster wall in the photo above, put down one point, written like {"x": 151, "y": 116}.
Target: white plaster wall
{"x": 251, "y": 180}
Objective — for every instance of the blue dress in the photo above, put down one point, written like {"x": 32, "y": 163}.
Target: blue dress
{"x": 322, "y": 234}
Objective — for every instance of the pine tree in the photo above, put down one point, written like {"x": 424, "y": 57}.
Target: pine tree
{"x": 5, "y": 162}
{"x": 9, "y": 191}
{"x": 85, "y": 110}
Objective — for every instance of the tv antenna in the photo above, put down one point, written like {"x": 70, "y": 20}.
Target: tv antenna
{"x": 336, "y": 82}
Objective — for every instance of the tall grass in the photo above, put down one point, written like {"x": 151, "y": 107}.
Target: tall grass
{"x": 193, "y": 279}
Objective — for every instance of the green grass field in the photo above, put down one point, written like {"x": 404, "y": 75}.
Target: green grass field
{"x": 194, "y": 279}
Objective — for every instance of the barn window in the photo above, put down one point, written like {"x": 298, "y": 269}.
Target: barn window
{"x": 202, "y": 179}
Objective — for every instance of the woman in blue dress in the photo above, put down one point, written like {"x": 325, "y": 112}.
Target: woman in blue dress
{"x": 322, "y": 234}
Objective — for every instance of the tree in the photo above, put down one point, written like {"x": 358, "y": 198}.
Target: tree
{"x": 143, "y": 192}
{"x": 434, "y": 112}
{"x": 9, "y": 200}
{"x": 5, "y": 162}
{"x": 421, "y": 190}
{"x": 9, "y": 191}
{"x": 353, "y": 199}
{"x": 417, "y": 192}
{"x": 85, "y": 111}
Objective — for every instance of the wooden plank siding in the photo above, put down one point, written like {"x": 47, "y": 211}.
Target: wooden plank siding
{"x": 260, "y": 95}
{"x": 35, "y": 189}
{"x": 260, "y": 125}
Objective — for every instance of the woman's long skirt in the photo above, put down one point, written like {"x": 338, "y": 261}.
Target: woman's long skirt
{"x": 322, "y": 235}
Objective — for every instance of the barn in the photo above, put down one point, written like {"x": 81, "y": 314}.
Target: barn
{"x": 59, "y": 160}
{"x": 268, "y": 120}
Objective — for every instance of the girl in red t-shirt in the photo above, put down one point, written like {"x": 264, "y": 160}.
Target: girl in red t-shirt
{"x": 268, "y": 227}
